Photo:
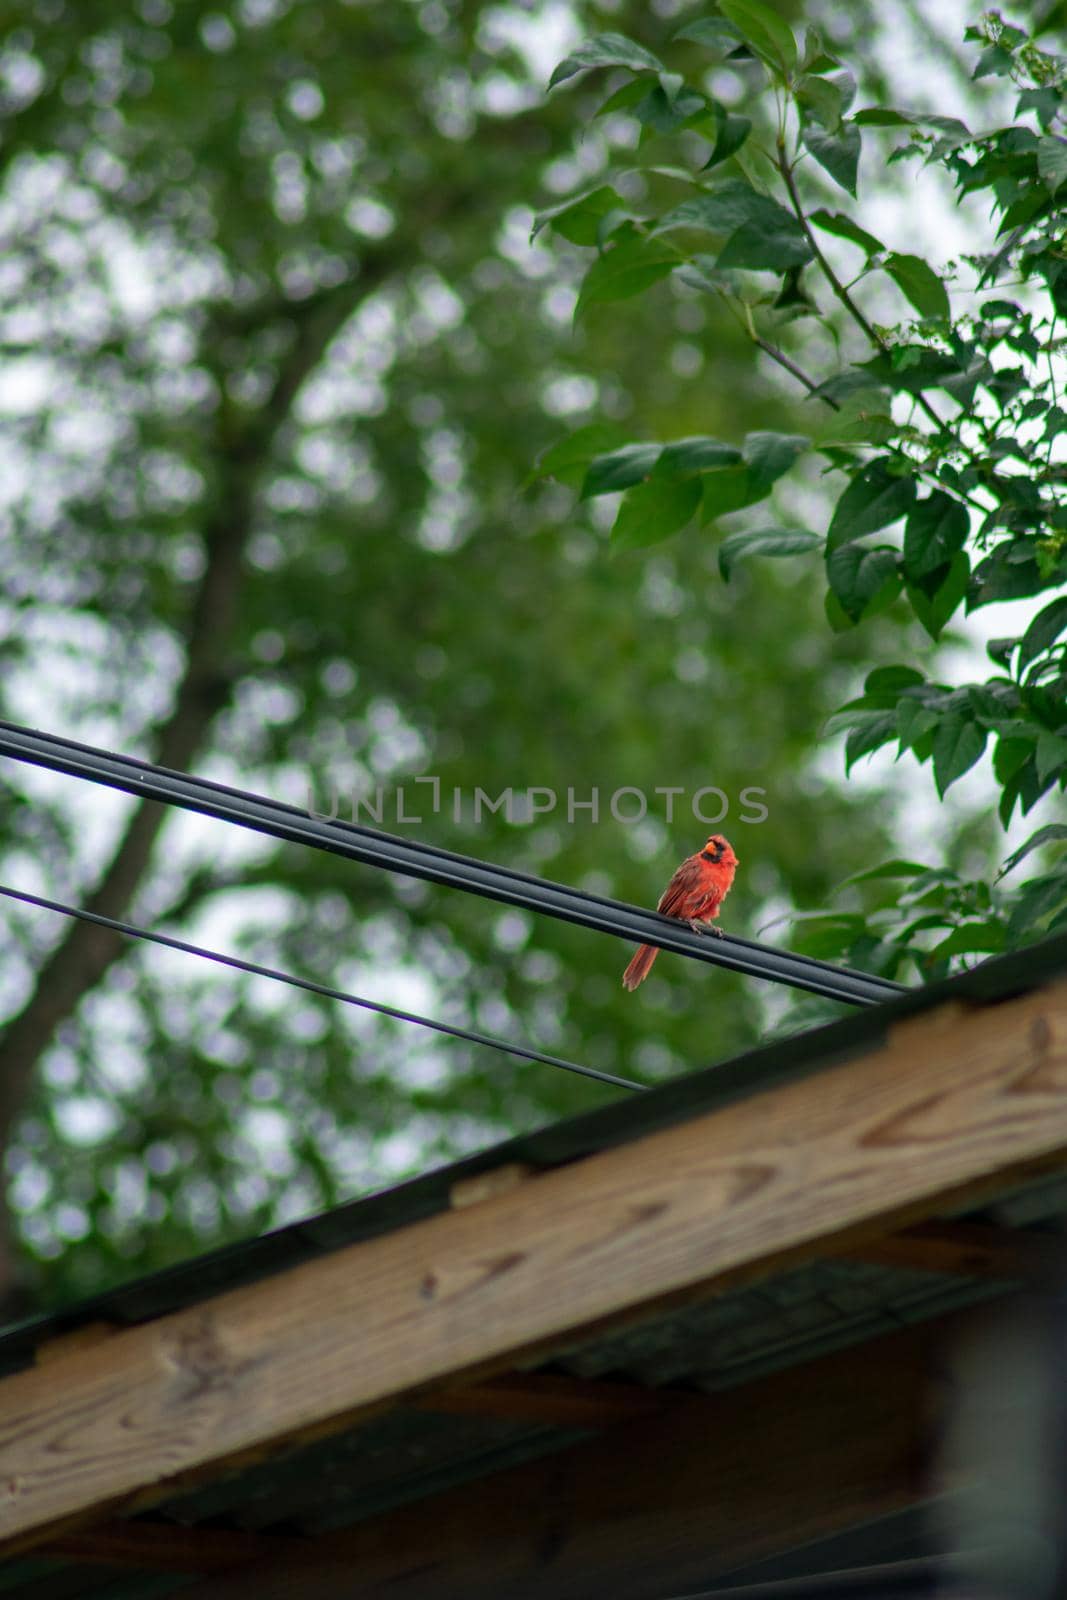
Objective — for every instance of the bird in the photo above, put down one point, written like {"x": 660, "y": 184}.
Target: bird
{"x": 694, "y": 896}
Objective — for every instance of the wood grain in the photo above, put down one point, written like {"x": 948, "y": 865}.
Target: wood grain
{"x": 971, "y": 1250}
{"x": 559, "y": 1401}
{"x": 948, "y": 1107}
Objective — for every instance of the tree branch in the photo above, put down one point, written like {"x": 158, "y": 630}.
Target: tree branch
{"x": 790, "y": 366}
{"x": 827, "y": 270}
{"x": 854, "y": 311}
{"x": 85, "y": 953}
{"x": 831, "y": 276}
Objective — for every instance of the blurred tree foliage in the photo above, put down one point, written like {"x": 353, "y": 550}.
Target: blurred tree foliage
{"x": 277, "y": 355}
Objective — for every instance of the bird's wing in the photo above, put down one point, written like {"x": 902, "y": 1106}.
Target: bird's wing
{"x": 678, "y": 896}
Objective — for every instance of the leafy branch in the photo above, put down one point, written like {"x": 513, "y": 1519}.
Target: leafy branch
{"x": 938, "y": 515}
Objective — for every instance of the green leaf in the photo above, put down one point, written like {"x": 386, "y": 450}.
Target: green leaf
{"x": 769, "y": 249}
{"x": 863, "y": 418}
{"x": 1010, "y": 756}
{"x": 568, "y": 460}
{"x": 883, "y": 117}
{"x": 854, "y": 715}
{"x": 845, "y": 85}
{"x": 1052, "y": 833}
{"x": 606, "y": 50}
{"x": 934, "y": 610}
{"x": 1000, "y": 651}
{"x": 841, "y": 385}
{"x": 619, "y": 469}
{"x": 930, "y": 888}
{"x": 729, "y": 490}
{"x": 953, "y": 131}
{"x": 714, "y": 32}
{"x": 993, "y": 704}
{"x": 822, "y": 98}
{"x": 1010, "y": 794}
{"x": 870, "y": 953}
{"x": 1050, "y": 755}
{"x": 874, "y": 499}
{"x": 793, "y": 295}
{"x": 862, "y": 579}
{"x": 958, "y": 744}
{"x": 879, "y": 728}
{"x": 625, "y": 270}
{"x": 920, "y": 284}
{"x": 815, "y": 57}
{"x": 697, "y": 454}
{"x": 579, "y": 219}
{"x": 731, "y": 135}
{"x": 837, "y": 153}
{"x": 936, "y": 528}
{"x": 836, "y": 615}
{"x": 914, "y": 723}
{"x": 1045, "y": 103}
{"x": 625, "y": 98}
{"x": 971, "y": 938}
{"x": 830, "y": 936}
{"x": 722, "y": 209}
{"x": 1006, "y": 573}
{"x": 702, "y": 273}
{"x": 993, "y": 62}
{"x": 666, "y": 114}
{"x": 1052, "y": 161}
{"x": 770, "y": 455}
{"x": 762, "y": 232}
{"x": 1023, "y": 210}
{"x": 654, "y": 511}
{"x": 764, "y": 542}
{"x": 1031, "y": 787}
{"x": 765, "y": 31}
{"x": 1038, "y": 897}
{"x": 844, "y": 228}
{"x": 889, "y": 679}
{"x": 896, "y": 868}
{"x": 914, "y": 368}
{"x": 1043, "y": 631}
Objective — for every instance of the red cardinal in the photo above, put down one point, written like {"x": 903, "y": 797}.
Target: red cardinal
{"x": 693, "y": 895}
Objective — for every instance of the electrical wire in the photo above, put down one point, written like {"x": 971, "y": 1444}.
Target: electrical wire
{"x": 434, "y": 865}
{"x": 259, "y": 971}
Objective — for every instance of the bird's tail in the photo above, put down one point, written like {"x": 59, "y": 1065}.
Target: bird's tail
{"x": 640, "y": 966}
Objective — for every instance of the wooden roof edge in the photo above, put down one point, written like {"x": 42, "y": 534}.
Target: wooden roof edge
{"x": 957, "y": 1103}
{"x": 992, "y": 983}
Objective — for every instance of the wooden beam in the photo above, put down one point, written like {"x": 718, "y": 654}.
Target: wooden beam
{"x": 957, "y": 1103}
{"x": 166, "y": 1547}
{"x": 63, "y": 1344}
{"x": 487, "y": 1185}
{"x": 558, "y": 1401}
{"x": 664, "y": 1507}
{"x": 970, "y": 1250}
{"x": 547, "y": 1399}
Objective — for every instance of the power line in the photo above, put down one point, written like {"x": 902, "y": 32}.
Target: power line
{"x": 434, "y": 865}
{"x": 259, "y": 971}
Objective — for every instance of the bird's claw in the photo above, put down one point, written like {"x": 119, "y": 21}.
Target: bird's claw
{"x": 703, "y": 927}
